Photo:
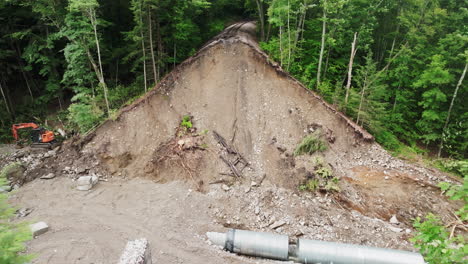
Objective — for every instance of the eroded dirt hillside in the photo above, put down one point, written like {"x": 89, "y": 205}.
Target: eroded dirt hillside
{"x": 230, "y": 88}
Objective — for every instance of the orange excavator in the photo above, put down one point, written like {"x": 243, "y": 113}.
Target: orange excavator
{"x": 40, "y": 137}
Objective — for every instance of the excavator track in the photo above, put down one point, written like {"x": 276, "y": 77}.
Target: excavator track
{"x": 48, "y": 145}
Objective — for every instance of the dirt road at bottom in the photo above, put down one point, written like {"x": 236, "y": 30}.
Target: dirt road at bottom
{"x": 93, "y": 227}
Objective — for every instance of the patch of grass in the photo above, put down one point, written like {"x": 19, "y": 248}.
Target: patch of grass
{"x": 204, "y": 146}
{"x": 323, "y": 178}
{"x": 9, "y": 168}
{"x": 438, "y": 243}
{"x": 186, "y": 122}
{"x": 458, "y": 167}
{"x": 12, "y": 235}
{"x": 310, "y": 144}
{"x": 204, "y": 132}
{"x": 311, "y": 185}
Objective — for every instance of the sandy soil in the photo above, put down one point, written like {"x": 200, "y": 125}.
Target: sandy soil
{"x": 93, "y": 227}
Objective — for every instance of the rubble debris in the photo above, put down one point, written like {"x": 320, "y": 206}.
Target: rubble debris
{"x": 231, "y": 166}
{"x": 38, "y": 228}
{"x": 85, "y": 183}
{"x": 238, "y": 158}
{"x": 23, "y": 212}
{"x": 395, "y": 229}
{"x": 48, "y": 176}
{"x": 277, "y": 224}
{"x": 136, "y": 252}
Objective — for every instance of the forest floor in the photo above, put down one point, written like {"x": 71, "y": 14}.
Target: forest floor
{"x": 170, "y": 186}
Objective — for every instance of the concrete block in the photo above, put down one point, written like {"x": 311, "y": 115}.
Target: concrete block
{"x": 85, "y": 183}
{"x": 136, "y": 252}
{"x": 39, "y": 228}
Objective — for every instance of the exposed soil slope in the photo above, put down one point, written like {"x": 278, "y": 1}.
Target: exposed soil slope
{"x": 230, "y": 87}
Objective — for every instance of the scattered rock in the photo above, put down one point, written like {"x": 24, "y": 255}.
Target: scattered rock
{"x": 85, "y": 183}
{"x": 257, "y": 210}
{"x": 136, "y": 252}
{"x": 38, "y": 228}
{"x": 48, "y": 176}
{"x": 277, "y": 224}
{"x": 225, "y": 187}
{"x": 394, "y": 220}
{"x": 23, "y": 212}
{"x": 254, "y": 184}
{"x": 80, "y": 170}
{"x": 395, "y": 229}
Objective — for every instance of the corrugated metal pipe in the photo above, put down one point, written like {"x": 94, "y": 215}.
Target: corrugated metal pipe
{"x": 274, "y": 246}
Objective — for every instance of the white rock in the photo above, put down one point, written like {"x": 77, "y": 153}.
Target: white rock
{"x": 85, "y": 183}
{"x": 136, "y": 252}
{"x": 395, "y": 229}
{"x": 38, "y": 228}
{"x": 277, "y": 224}
{"x": 225, "y": 187}
{"x": 394, "y": 220}
{"x": 48, "y": 176}
{"x": 257, "y": 210}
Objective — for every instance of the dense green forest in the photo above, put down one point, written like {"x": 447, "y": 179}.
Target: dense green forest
{"x": 396, "y": 66}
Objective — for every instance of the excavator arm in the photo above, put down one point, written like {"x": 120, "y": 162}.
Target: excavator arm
{"x": 16, "y": 127}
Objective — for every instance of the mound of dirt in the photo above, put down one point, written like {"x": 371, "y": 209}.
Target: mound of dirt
{"x": 231, "y": 89}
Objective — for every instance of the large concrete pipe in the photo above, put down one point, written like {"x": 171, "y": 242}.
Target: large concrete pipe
{"x": 266, "y": 245}
{"x": 312, "y": 251}
{"x": 276, "y": 246}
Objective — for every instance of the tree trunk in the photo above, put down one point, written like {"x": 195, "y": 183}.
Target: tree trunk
{"x": 4, "y": 99}
{"x": 143, "y": 47}
{"x": 450, "y": 109}
{"x": 160, "y": 47}
{"x": 153, "y": 60}
{"x": 92, "y": 16}
{"x": 322, "y": 47}
{"x": 350, "y": 67}
{"x": 396, "y": 99}
{"x": 361, "y": 101}
{"x": 281, "y": 46}
{"x": 21, "y": 66}
{"x": 262, "y": 19}
{"x": 300, "y": 24}
{"x": 394, "y": 41}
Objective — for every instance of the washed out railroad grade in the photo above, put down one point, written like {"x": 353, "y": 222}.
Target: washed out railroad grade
{"x": 230, "y": 165}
